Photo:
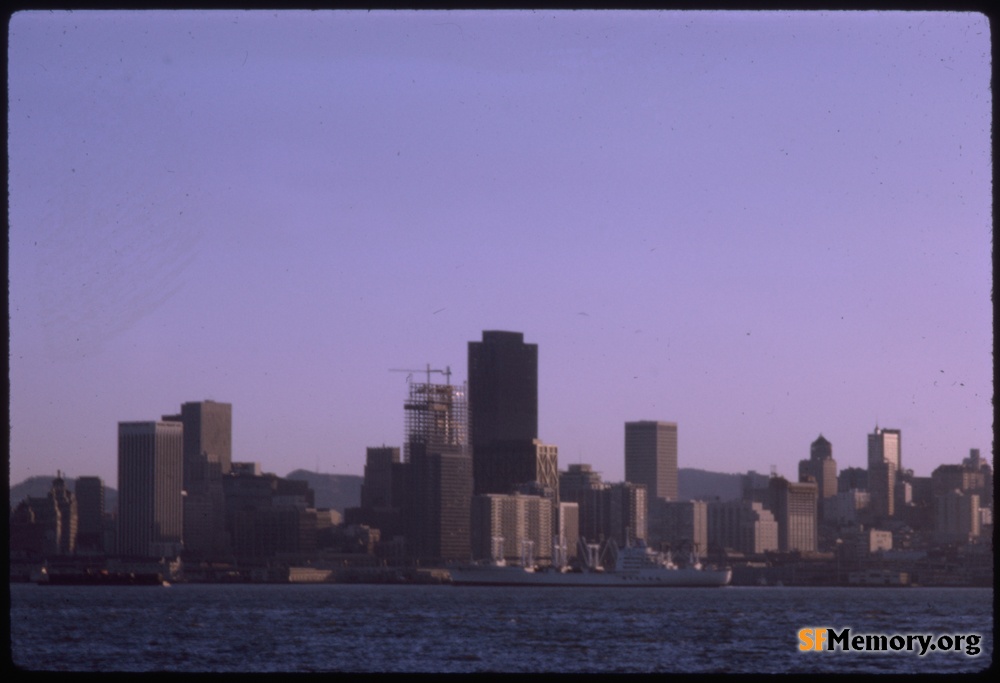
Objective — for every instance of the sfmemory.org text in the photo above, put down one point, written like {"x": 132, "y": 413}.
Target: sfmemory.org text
{"x": 829, "y": 640}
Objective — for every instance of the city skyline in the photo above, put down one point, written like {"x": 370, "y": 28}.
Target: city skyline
{"x": 760, "y": 226}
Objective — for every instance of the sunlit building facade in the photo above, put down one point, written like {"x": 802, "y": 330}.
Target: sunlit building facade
{"x": 150, "y": 485}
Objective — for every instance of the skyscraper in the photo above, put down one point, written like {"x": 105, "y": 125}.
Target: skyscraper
{"x": 651, "y": 458}
{"x": 150, "y": 480}
{"x": 742, "y": 525}
{"x": 503, "y": 388}
{"x": 503, "y": 525}
{"x": 625, "y": 507}
{"x": 503, "y": 410}
{"x": 268, "y": 516}
{"x": 886, "y": 444}
{"x": 506, "y": 465}
{"x": 884, "y": 464}
{"x": 383, "y": 493}
{"x": 794, "y": 508}
{"x": 90, "y": 514}
{"x": 208, "y": 439}
{"x": 822, "y": 467}
{"x": 376, "y": 491}
{"x": 436, "y": 415}
{"x": 438, "y": 503}
{"x": 682, "y": 525}
{"x": 576, "y": 481}
{"x": 438, "y": 477}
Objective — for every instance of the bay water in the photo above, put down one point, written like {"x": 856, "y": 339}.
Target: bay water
{"x": 440, "y": 628}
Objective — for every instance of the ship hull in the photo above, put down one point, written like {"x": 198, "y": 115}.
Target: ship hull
{"x": 516, "y": 576}
{"x": 102, "y": 579}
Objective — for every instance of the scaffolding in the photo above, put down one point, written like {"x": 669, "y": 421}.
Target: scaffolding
{"x": 436, "y": 415}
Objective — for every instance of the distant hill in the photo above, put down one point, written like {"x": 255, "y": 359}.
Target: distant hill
{"x": 336, "y": 491}
{"x": 39, "y": 487}
{"x": 703, "y": 485}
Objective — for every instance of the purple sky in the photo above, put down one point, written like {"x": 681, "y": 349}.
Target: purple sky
{"x": 761, "y": 226}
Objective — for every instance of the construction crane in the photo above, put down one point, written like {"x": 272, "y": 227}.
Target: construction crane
{"x": 446, "y": 372}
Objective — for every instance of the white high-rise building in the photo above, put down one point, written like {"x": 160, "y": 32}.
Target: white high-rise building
{"x": 150, "y": 481}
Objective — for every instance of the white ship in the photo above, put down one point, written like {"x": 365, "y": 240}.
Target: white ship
{"x": 634, "y": 567}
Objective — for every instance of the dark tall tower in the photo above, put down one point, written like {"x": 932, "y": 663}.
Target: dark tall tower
{"x": 503, "y": 388}
{"x": 150, "y": 478}
{"x": 438, "y": 502}
{"x": 90, "y": 514}
{"x": 376, "y": 491}
{"x": 503, "y": 409}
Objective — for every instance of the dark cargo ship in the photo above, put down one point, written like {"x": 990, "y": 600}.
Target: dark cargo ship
{"x": 102, "y": 578}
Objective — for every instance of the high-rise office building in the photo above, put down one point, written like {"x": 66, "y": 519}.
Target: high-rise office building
{"x": 822, "y": 469}
{"x": 90, "y": 515}
{"x": 376, "y": 490}
{"x": 516, "y": 528}
{"x": 576, "y": 481}
{"x": 972, "y": 476}
{"x": 436, "y": 415}
{"x": 682, "y": 525}
{"x": 503, "y": 418}
{"x": 438, "y": 473}
{"x": 847, "y": 507}
{"x": 956, "y": 517}
{"x": 794, "y": 508}
{"x": 208, "y": 439}
{"x": 383, "y": 494}
{"x": 438, "y": 503}
{"x": 581, "y": 485}
{"x": 886, "y": 444}
{"x": 741, "y": 525}
{"x": 626, "y": 507}
{"x": 821, "y": 466}
{"x": 852, "y": 478}
{"x": 268, "y": 516}
{"x": 651, "y": 458}
{"x": 503, "y": 389}
{"x": 884, "y": 465}
{"x": 510, "y": 464}
{"x": 150, "y": 484}
{"x": 567, "y": 534}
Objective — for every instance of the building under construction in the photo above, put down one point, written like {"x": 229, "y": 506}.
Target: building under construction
{"x": 436, "y": 416}
{"x": 438, "y": 472}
